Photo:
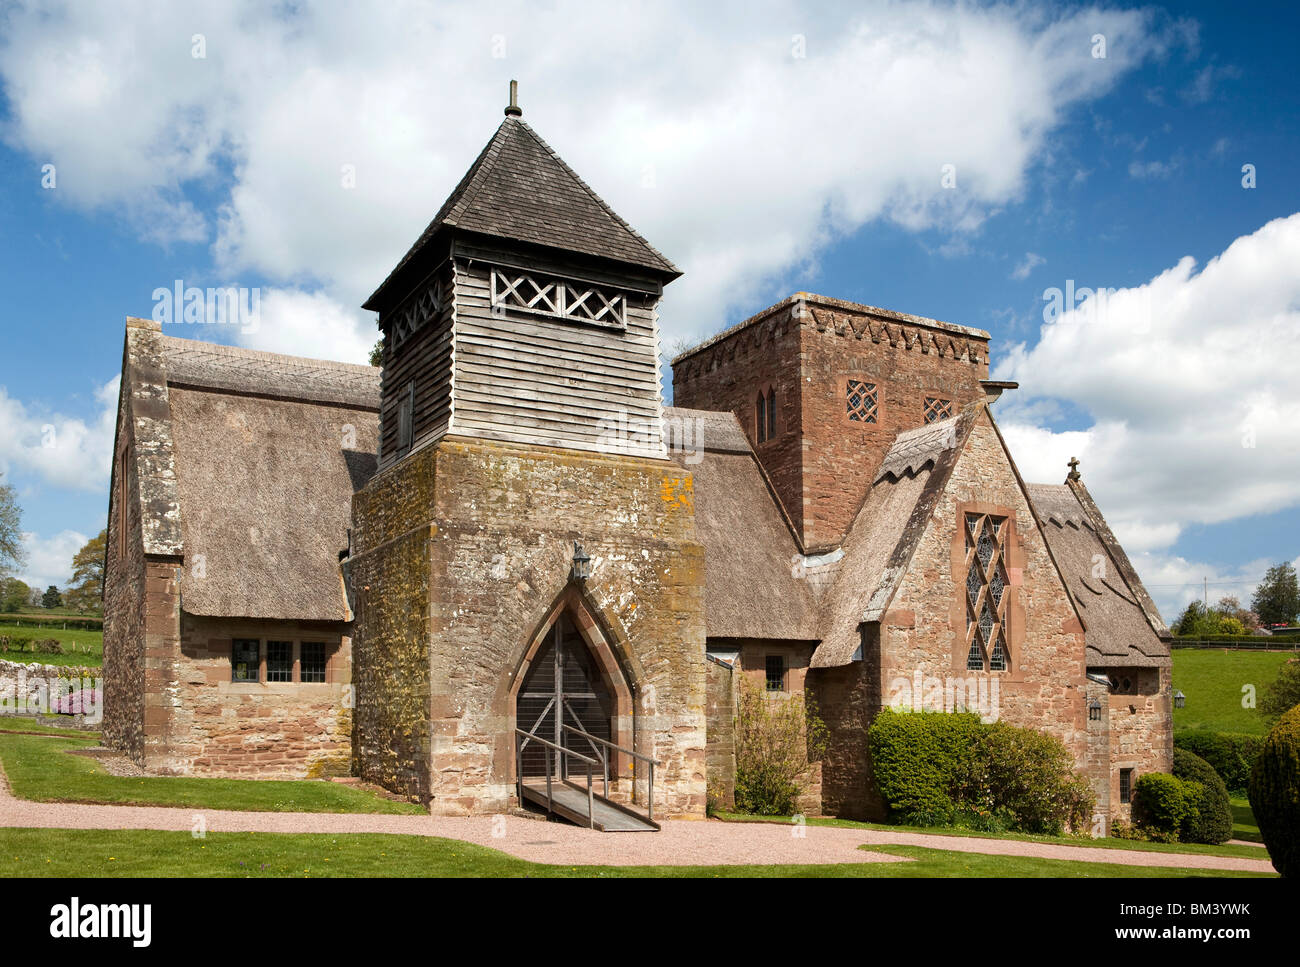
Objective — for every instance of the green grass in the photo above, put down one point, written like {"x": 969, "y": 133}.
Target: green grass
{"x": 1212, "y": 681}
{"x": 1243, "y": 821}
{"x": 26, "y": 723}
{"x": 1203, "y": 849}
{"x": 82, "y": 646}
{"x": 98, "y": 853}
{"x": 40, "y": 769}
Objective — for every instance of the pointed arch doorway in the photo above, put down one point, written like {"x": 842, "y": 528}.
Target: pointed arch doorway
{"x": 564, "y": 686}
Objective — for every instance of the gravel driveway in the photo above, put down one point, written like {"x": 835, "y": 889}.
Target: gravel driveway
{"x": 679, "y": 843}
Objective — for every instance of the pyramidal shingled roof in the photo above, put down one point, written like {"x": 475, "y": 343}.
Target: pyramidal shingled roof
{"x": 519, "y": 188}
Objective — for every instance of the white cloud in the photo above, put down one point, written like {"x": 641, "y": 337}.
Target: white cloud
{"x": 735, "y": 157}
{"x": 64, "y": 451}
{"x": 310, "y": 324}
{"x": 49, "y": 559}
{"x": 1187, "y": 381}
{"x": 1149, "y": 170}
{"x": 1026, "y": 265}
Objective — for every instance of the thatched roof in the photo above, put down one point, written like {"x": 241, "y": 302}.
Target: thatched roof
{"x": 885, "y": 534}
{"x": 755, "y": 588}
{"x": 266, "y": 451}
{"x": 1112, "y": 603}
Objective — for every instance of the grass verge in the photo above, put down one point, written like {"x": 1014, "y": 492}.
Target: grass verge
{"x": 99, "y": 853}
{"x": 1201, "y": 849}
{"x": 40, "y": 769}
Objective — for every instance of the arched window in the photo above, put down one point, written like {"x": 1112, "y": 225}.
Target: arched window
{"x": 771, "y": 414}
{"x": 760, "y": 418}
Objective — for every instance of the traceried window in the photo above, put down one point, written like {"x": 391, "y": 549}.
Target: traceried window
{"x": 597, "y": 305}
{"x": 937, "y": 409}
{"x": 862, "y": 401}
{"x": 986, "y": 593}
{"x": 279, "y": 661}
{"x": 313, "y": 661}
{"x": 244, "y": 660}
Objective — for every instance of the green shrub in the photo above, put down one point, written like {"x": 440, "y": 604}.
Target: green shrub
{"x": 1029, "y": 776}
{"x": 1231, "y": 754}
{"x": 1283, "y": 692}
{"x": 1163, "y": 803}
{"x": 920, "y": 760}
{"x": 48, "y": 646}
{"x": 1275, "y": 793}
{"x": 940, "y": 769}
{"x": 1212, "y": 821}
{"x": 14, "y": 643}
{"x": 777, "y": 742}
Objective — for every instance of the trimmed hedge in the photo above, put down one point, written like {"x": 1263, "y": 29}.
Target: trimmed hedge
{"x": 1230, "y": 754}
{"x": 919, "y": 760}
{"x": 937, "y": 769}
{"x": 1162, "y": 804}
{"x": 1212, "y": 821}
{"x": 1275, "y": 793}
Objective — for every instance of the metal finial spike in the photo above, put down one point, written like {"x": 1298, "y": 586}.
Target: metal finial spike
{"x": 513, "y": 110}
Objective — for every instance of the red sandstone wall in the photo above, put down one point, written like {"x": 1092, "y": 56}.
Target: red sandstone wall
{"x": 821, "y": 462}
{"x": 264, "y": 729}
{"x": 1045, "y": 687}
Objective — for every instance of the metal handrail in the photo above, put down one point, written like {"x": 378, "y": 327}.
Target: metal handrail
{"x": 550, "y": 748}
{"x": 650, "y": 786}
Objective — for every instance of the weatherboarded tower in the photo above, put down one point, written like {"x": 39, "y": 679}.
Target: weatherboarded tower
{"x": 521, "y": 418}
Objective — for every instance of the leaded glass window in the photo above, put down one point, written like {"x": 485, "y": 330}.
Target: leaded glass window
{"x": 862, "y": 404}
{"x": 937, "y": 409}
{"x": 986, "y": 598}
{"x": 244, "y": 660}
{"x": 279, "y": 661}
{"x": 313, "y": 661}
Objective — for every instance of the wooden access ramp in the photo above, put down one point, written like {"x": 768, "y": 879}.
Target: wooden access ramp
{"x": 580, "y": 804}
{"x": 570, "y": 801}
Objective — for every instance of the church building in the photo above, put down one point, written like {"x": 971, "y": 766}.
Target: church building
{"x": 497, "y": 572}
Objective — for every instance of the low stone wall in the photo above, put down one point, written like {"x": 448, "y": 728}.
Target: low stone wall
{"x": 29, "y": 689}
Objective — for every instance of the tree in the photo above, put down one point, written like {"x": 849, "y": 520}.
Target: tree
{"x": 51, "y": 598}
{"x": 86, "y": 589}
{"x": 377, "y": 353}
{"x": 1283, "y": 693}
{"x": 1273, "y": 784}
{"x": 13, "y": 594}
{"x": 11, "y": 535}
{"x": 1277, "y": 599}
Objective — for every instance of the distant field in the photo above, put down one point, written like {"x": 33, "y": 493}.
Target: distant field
{"x": 1212, "y": 681}
{"x": 81, "y": 646}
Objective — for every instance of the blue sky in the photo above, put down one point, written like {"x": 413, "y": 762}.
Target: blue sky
{"x": 802, "y": 150}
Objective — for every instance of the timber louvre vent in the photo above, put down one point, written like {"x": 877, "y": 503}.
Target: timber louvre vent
{"x": 558, "y": 299}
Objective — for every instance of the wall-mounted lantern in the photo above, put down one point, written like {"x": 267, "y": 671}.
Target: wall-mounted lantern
{"x": 581, "y": 564}
{"x": 1094, "y": 711}
{"x": 1179, "y": 699}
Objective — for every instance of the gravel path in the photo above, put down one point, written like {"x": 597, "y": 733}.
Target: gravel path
{"x": 680, "y": 843}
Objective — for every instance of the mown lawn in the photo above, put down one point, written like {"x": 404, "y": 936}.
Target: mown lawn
{"x": 99, "y": 853}
{"x": 1212, "y": 681}
{"x": 1243, "y": 821}
{"x": 28, "y": 723}
{"x": 1247, "y": 852}
{"x": 40, "y": 769}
